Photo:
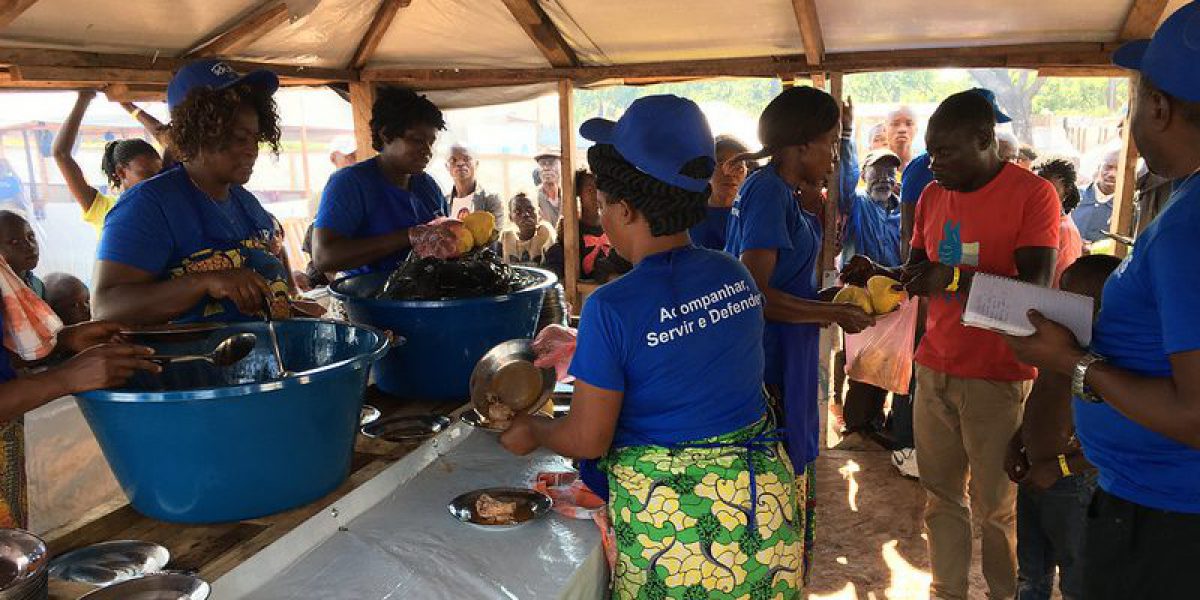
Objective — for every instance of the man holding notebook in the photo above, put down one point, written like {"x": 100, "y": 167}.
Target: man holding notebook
{"x": 983, "y": 215}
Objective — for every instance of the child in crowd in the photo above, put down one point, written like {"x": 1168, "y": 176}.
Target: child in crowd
{"x": 19, "y": 246}
{"x": 1056, "y": 481}
{"x": 598, "y": 260}
{"x": 69, "y": 297}
{"x": 528, "y": 238}
{"x": 1061, "y": 172}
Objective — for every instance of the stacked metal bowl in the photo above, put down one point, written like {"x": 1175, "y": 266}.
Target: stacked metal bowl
{"x": 23, "y": 566}
{"x": 554, "y": 307}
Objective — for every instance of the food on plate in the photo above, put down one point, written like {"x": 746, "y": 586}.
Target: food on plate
{"x": 499, "y": 414}
{"x": 884, "y": 298}
{"x": 857, "y": 296}
{"x": 491, "y": 511}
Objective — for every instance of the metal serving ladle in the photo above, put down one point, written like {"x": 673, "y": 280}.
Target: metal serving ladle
{"x": 283, "y": 372}
{"x": 231, "y": 350}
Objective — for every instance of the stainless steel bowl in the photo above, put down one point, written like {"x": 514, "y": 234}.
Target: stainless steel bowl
{"x": 406, "y": 429}
{"x": 23, "y": 563}
{"x": 369, "y": 414}
{"x": 158, "y": 586}
{"x": 506, "y": 374}
{"x": 531, "y": 504}
{"x": 108, "y": 563}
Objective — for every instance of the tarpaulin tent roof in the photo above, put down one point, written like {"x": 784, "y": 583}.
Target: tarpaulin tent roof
{"x": 460, "y": 43}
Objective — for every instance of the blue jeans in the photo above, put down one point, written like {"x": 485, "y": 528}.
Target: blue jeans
{"x": 1050, "y": 528}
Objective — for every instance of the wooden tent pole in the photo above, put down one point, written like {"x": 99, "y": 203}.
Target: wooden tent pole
{"x": 362, "y": 97}
{"x": 831, "y": 337}
{"x": 1122, "y": 217}
{"x": 570, "y": 210}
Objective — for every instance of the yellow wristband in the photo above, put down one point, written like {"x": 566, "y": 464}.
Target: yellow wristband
{"x": 1062, "y": 465}
{"x": 953, "y": 287}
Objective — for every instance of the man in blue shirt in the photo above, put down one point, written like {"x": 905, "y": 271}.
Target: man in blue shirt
{"x": 1137, "y": 389}
{"x": 873, "y": 216}
{"x": 1095, "y": 209}
{"x": 368, "y": 209}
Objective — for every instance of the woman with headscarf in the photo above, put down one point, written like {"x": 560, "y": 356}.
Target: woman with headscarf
{"x": 776, "y": 231}
{"x": 701, "y": 495}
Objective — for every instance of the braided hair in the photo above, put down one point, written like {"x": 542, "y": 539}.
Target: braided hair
{"x": 119, "y": 153}
{"x": 398, "y": 109}
{"x": 668, "y": 209}
{"x": 1063, "y": 170}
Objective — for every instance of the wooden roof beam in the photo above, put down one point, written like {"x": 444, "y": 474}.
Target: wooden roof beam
{"x": 542, "y": 32}
{"x": 1142, "y": 19}
{"x": 244, "y": 32}
{"x": 36, "y": 57}
{"x": 11, "y": 9}
{"x": 375, "y": 32}
{"x": 810, "y": 30}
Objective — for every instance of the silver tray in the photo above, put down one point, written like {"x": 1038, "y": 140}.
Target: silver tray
{"x": 23, "y": 561}
{"x": 158, "y": 586}
{"x": 474, "y": 419}
{"x": 507, "y": 374}
{"x": 112, "y": 562}
{"x": 406, "y": 429}
{"x": 531, "y": 504}
{"x": 369, "y": 414}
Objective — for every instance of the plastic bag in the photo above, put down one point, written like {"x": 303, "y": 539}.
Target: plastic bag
{"x": 555, "y": 347}
{"x": 883, "y": 355}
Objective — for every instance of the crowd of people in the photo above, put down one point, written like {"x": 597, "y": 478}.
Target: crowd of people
{"x": 696, "y": 408}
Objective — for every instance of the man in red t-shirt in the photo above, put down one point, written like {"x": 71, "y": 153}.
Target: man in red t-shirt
{"x": 980, "y": 215}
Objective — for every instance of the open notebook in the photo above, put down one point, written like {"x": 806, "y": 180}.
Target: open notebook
{"x": 1001, "y": 304}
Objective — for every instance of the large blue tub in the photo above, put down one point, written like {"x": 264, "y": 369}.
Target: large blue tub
{"x": 438, "y": 342}
{"x": 199, "y": 444}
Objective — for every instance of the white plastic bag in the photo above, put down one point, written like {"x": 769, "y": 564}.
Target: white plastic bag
{"x": 883, "y": 355}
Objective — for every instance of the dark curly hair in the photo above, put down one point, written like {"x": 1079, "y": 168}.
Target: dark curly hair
{"x": 204, "y": 119}
{"x": 398, "y": 109}
{"x": 668, "y": 209}
{"x": 119, "y": 153}
{"x": 796, "y": 116}
{"x": 1063, "y": 170}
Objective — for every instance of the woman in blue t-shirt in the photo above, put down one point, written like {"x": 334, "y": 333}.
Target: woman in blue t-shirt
{"x": 192, "y": 244}
{"x": 368, "y": 209}
{"x": 668, "y": 389}
{"x": 776, "y": 231}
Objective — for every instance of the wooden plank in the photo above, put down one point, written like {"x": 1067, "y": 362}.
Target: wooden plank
{"x": 120, "y": 92}
{"x": 376, "y": 30}
{"x": 810, "y": 30}
{"x": 244, "y": 32}
{"x": 10, "y": 56}
{"x": 570, "y": 210}
{"x": 1122, "y": 218}
{"x": 829, "y": 249}
{"x": 542, "y": 32}
{"x": 11, "y": 9}
{"x": 97, "y": 76}
{"x": 1106, "y": 72}
{"x": 362, "y": 98}
{"x": 1142, "y": 19}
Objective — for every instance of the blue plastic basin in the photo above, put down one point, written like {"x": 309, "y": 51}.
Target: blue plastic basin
{"x": 438, "y": 342}
{"x": 200, "y": 444}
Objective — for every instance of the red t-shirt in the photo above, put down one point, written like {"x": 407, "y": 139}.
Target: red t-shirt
{"x": 980, "y": 231}
{"x": 1070, "y": 247}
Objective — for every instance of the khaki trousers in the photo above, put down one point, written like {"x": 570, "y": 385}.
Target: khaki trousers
{"x": 962, "y": 429}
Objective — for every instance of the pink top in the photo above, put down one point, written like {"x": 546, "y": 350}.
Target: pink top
{"x": 1070, "y": 246}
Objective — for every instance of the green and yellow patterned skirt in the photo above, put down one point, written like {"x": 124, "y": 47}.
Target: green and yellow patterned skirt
{"x": 682, "y": 519}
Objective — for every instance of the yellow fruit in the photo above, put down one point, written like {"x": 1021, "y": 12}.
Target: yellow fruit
{"x": 482, "y": 225}
{"x": 855, "y": 295}
{"x": 883, "y": 298}
{"x": 466, "y": 241}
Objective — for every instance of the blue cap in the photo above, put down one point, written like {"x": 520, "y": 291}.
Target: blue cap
{"x": 990, "y": 96}
{"x": 1171, "y": 59}
{"x": 659, "y": 135}
{"x": 217, "y": 75}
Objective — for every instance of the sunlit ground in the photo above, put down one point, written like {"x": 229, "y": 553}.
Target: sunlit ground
{"x": 907, "y": 582}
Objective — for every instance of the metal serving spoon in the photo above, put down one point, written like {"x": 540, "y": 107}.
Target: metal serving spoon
{"x": 228, "y": 352}
{"x": 283, "y": 372}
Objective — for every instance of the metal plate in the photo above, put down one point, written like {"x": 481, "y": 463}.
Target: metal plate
{"x": 369, "y": 414}
{"x": 474, "y": 419}
{"x": 112, "y": 562}
{"x": 183, "y": 332}
{"x": 506, "y": 374}
{"x": 23, "y": 560}
{"x": 531, "y": 504}
{"x": 159, "y": 586}
{"x": 406, "y": 429}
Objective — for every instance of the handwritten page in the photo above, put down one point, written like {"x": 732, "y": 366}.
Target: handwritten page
{"x": 1001, "y": 304}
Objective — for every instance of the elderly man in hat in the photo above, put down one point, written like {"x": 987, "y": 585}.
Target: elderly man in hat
{"x": 549, "y": 178}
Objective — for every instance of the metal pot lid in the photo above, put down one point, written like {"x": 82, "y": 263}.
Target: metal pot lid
{"x": 23, "y": 560}
{"x": 406, "y": 429}
{"x": 506, "y": 374}
{"x": 110, "y": 562}
{"x": 369, "y": 414}
{"x": 157, "y": 586}
{"x": 530, "y": 504}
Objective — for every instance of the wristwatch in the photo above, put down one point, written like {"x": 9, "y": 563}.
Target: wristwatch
{"x": 1078, "y": 387}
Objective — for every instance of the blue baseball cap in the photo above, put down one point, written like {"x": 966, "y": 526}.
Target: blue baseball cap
{"x": 990, "y": 96}
{"x": 217, "y": 75}
{"x": 1170, "y": 59}
{"x": 659, "y": 135}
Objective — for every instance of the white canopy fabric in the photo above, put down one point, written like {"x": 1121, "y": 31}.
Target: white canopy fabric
{"x": 484, "y": 34}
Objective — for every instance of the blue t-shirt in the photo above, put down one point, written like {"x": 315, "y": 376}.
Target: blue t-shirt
{"x": 167, "y": 227}
{"x": 681, "y": 337}
{"x": 6, "y": 370}
{"x": 359, "y": 202}
{"x": 767, "y": 216}
{"x": 1148, "y": 313}
{"x": 871, "y": 230}
{"x": 710, "y": 233}
{"x": 915, "y": 178}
